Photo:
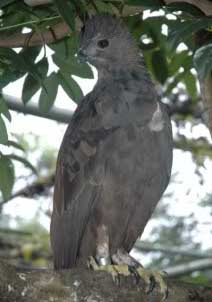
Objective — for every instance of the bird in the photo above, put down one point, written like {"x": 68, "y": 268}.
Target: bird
{"x": 115, "y": 159}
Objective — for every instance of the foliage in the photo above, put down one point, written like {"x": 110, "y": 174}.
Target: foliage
{"x": 160, "y": 37}
{"x": 167, "y": 36}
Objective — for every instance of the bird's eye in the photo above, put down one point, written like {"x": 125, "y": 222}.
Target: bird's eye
{"x": 103, "y": 43}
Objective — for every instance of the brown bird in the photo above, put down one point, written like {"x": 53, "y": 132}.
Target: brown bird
{"x": 116, "y": 156}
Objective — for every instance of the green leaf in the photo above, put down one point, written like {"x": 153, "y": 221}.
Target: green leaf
{"x": 70, "y": 86}
{"x": 191, "y": 84}
{"x": 67, "y": 11}
{"x": 4, "y": 109}
{"x": 32, "y": 85}
{"x": 71, "y": 66}
{"x": 203, "y": 60}
{"x": 3, "y": 132}
{"x": 10, "y": 56}
{"x": 66, "y": 47}
{"x": 181, "y": 31}
{"x": 48, "y": 92}
{"x": 159, "y": 66}
{"x": 30, "y": 53}
{"x": 23, "y": 161}
{"x": 19, "y": 61}
{"x": 7, "y": 176}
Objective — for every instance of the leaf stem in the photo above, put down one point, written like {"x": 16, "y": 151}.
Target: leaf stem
{"x": 28, "y": 23}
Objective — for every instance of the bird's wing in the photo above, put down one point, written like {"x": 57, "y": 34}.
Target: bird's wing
{"x": 77, "y": 184}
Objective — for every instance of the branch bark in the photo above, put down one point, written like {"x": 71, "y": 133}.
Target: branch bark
{"x": 55, "y": 114}
{"x": 86, "y": 285}
{"x": 48, "y": 36}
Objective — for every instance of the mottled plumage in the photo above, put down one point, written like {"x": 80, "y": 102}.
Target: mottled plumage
{"x": 115, "y": 159}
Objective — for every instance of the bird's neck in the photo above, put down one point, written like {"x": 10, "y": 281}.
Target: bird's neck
{"x": 134, "y": 72}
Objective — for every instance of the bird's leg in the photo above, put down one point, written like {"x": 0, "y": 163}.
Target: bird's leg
{"x": 102, "y": 260}
{"x": 151, "y": 278}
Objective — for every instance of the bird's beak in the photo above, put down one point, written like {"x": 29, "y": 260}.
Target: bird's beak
{"x": 81, "y": 56}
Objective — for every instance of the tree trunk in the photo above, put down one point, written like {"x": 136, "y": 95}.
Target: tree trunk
{"x": 78, "y": 285}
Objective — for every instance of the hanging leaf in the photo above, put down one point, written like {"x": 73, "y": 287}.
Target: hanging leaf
{"x": 191, "y": 84}
{"x": 159, "y": 66}
{"x": 7, "y": 176}
{"x": 4, "y": 109}
{"x": 48, "y": 92}
{"x": 67, "y": 10}
{"x": 30, "y": 53}
{"x": 32, "y": 85}
{"x": 202, "y": 60}
{"x": 72, "y": 66}
{"x": 3, "y": 132}
{"x": 66, "y": 47}
{"x": 70, "y": 86}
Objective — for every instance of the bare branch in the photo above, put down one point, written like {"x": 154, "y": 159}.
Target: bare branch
{"x": 189, "y": 267}
{"x": 144, "y": 246}
{"x": 56, "y": 114}
{"x": 51, "y": 35}
{"x": 39, "y": 187}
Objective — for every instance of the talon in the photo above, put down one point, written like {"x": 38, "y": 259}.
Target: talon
{"x": 114, "y": 270}
{"x": 135, "y": 274}
{"x": 151, "y": 284}
{"x": 151, "y": 278}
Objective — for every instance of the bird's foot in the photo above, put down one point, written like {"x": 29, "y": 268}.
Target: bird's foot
{"x": 114, "y": 270}
{"x": 151, "y": 278}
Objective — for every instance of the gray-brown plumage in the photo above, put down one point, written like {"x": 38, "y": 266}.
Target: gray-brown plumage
{"x": 115, "y": 159}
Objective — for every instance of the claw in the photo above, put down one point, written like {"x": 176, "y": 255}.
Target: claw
{"x": 150, "y": 278}
{"x": 133, "y": 271}
{"x": 153, "y": 277}
{"x": 114, "y": 270}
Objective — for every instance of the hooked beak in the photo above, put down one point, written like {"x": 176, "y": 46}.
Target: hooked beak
{"x": 81, "y": 56}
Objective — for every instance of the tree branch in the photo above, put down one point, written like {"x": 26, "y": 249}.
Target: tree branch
{"x": 56, "y": 114}
{"x": 144, "y": 246}
{"x": 189, "y": 267}
{"x": 86, "y": 285}
{"x": 51, "y": 35}
{"x": 204, "y": 5}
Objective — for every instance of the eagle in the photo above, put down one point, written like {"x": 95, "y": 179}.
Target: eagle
{"x": 115, "y": 159}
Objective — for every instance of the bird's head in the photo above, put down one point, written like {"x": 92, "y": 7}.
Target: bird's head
{"x": 106, "y": 43}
